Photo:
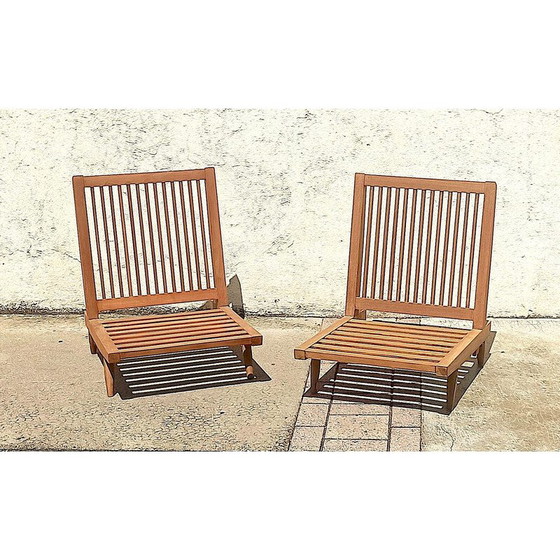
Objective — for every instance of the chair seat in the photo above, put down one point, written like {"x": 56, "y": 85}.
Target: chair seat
{"x": 396, "y": 345}
{"x": 129, "y": 337}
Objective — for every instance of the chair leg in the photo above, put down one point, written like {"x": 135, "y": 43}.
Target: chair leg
{"x": 248, "y": 361}
{"x": 92, "y": 346}
{"x": 315, "y": 369}
{"x": 451, "y": 390}
{"x": 109, "y": 381}
{"x": 483, "y": 353}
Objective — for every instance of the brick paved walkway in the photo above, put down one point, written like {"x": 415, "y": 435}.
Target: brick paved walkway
{"x": 335, "y": 425}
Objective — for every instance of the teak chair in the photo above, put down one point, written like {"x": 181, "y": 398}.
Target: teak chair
{"x": 153, "y": 239}
{"x": 418, "y": 247}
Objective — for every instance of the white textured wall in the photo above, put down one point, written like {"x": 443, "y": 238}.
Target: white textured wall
{"x": 285, "y": 182}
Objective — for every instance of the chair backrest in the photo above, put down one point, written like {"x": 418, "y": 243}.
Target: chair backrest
{"x": 421, "y": 247}
{"x": 149, "y": 239}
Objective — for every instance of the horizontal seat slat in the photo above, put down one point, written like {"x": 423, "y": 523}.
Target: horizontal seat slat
{"x": 180, "y": 335}
{"x": 396, "y": 339}
{"x": 170, "y": 325}
{"x": 194, "y": 345}
{"x": 340, "y": 340}
{"x": 406, "y": 327}
{"x": 373, "y": 351}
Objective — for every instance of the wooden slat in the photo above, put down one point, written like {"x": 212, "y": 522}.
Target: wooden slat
{"x": 410, "y": 245}
{"x": 472, "y": 249}
{"x": 175, "y": 336}
{"x": 194, "y": 236}
{"x": 376, "y": 243}
{"x": 178, "y": 238}
{"x": 234, "y": 340}
{"x": 116, "y": 241}
{"x": 160, "y": 239}
{"x": 415, "y": 308}
{"x": 107, "y": 244}
{"x": 422, "y": 183}
{"x": 420, "y": 245}
{"x": 152, "y": 240}
{"x": 374, "y": 345}
{"x": 401, "y": 248}
{"x": 167, "y": 217}
{"x": 452, "y": 273}
{"x": 203, "y": 233}
{"x": 397, "y": 337}
{"x": 435, "y": 331}
{"x": 125, "y": 241}
{"x": 463, "y": 251}
{"x": 365, "y": 267}
{"x": 138, "y": 319}
{"x": 428, "y": 247}
{"x": 186, "y": 235}
{"x": 385, "y": 242}
{"x": 162, "y": 325}
{"x": 156, "y": 299}
{"x": 436, "y": 248}
{"x": 445, "y": 248}
{"x": 351, "y": 357}
{"x": 134, "y": 240}
{"x": 143, "y": 239}
{"x": 156, "y": 176}
{"x": 97, "y": 243}
{"x": 393, "y": 245}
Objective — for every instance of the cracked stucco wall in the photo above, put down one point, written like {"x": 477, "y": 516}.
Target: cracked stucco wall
{"x": 285, "y": 181}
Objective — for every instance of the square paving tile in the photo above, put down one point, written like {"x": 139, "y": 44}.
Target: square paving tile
{"x": 405, "y": 439}
{"x": 357, "y": 427}
{"x": 406, "y": 417}
{"x": 358, "y": 408}
{"x": 306, "y": 439}
{"x": 312, "y": 414}
{"x": 355, "y": 445}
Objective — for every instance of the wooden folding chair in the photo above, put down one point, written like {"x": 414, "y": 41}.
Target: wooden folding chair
{"x": 153, "y": 239}
{"x": 419, "y": 247}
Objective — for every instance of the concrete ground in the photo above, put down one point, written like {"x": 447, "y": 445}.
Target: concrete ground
{"x": 52, "y": 396}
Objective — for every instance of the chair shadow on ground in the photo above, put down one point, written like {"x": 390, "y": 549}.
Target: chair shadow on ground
{"x": 400, "y": 388}
{"x": 183, "y": 371}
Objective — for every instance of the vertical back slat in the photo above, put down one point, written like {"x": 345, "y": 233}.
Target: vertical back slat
{"x": 107, "y": 244}
{"x": 125, "y": 240}
{"x": 177, "y": 237}
{"x": 134, "y": 240}
{"x": 195, "y": 238}
{"x": 168, "y": 232}
{"x": 419, "y": 245}
{"x": 410, "y": 244}
{"x": 376, "y": 240}
{"x": 428, "y": 247}
{"x": 97, "y": 243}
{"x": 116, "y": 241}
{"x": 365, "y": 275}
{"x": 143, "y": 238}
{"x": 385, "y": 243}
{"x": 160, "y": 239}
{"x": 203, "y": 234}
{"x": 152, "y": 237}
{"x": 393, "y": 244}
{"x": 186, "y": 236}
